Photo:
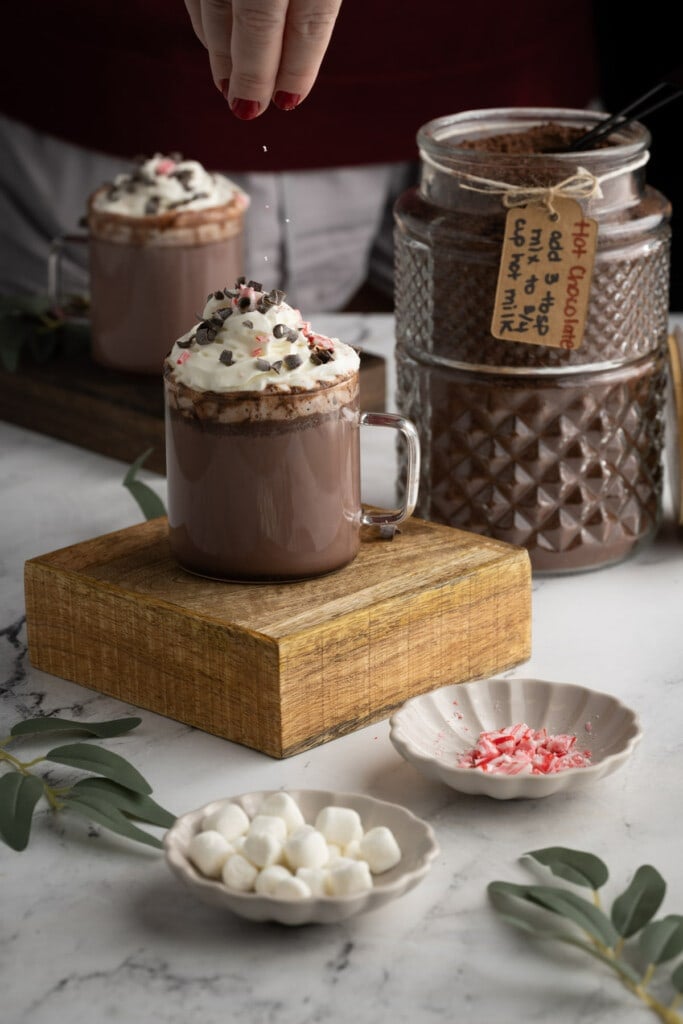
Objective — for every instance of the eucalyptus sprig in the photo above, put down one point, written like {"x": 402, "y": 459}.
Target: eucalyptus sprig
{"x": 34, "y": 326}
{"x": 114, "y": 795}
{"x": 602, "y": 935}
{"x": 149, "y": 501}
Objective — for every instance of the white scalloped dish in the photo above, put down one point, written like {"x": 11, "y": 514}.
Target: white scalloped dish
{"x": 415, "y": 838}
{"x": 433, "y": 730}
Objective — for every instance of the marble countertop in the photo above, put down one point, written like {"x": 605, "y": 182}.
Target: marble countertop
{"x": 96, "y": 929}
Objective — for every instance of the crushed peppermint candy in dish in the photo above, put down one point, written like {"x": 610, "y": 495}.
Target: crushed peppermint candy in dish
{"x": 564, "y": 736}
{"x": 520, "y": 749}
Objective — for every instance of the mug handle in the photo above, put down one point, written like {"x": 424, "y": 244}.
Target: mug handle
{"x": 390, "y": 419}
{"x": 54, "y": 264}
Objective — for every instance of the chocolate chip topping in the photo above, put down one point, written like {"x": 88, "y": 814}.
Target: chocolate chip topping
{"x": 185, "y": 342}
{"x": 321, "y": 355}
{"x": 244, "y": 303}
{"x": 226, "y": 357}
{"x": 280, "y": 330}
{"x": 277, "y": 365}
{"x": 248, "y": 323}
{"x": 206, "y": 333}
{"x": 263, "y": 365}
{"x": 255, "y": 285}
{"x": 224, "y": 312}
{"x": 152, "y": 205}
{"x": 291, "y": 362}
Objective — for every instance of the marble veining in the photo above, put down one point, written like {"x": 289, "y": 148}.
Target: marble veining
{"x": 94, "y": 929}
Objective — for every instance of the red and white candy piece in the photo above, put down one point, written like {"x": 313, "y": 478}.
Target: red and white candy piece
{"x": 519, "y": 749}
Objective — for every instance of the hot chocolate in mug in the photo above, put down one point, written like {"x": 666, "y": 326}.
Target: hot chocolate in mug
{"x": 263, "y": 459}
{"x": 157, "y": 239}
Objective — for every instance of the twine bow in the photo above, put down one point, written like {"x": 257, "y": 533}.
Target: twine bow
{"x": 580, "y": 185}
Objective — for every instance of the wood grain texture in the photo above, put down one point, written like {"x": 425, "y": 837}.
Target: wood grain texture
{"x": 116, "y": 414}
{"x": 280, "y": 668}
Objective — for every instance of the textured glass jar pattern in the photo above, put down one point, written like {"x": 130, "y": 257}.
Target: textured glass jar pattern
{"x": 557, "y": 451}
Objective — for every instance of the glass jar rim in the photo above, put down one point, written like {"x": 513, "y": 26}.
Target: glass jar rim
{"x": 439, "y": 137}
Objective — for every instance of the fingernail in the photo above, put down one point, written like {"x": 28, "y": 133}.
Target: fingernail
{"x": 246, "y": 110}
{"x": 286, "y": 100}
{"x": 224, "y": 86}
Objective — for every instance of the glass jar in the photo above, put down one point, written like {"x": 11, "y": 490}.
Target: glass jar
{"x": 556, "y": 450}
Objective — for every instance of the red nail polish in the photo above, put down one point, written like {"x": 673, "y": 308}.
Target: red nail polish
{"x": 224, "y": 85}
{"x": 286, "y": 100}
{"x": 246, "y": 110}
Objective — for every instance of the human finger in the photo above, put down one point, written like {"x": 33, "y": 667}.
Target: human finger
{"x": 194, "y": 9}
{"x": 217, "y": 21}
{"x": 258, "y": 28}
{"x": 308, "y": 31}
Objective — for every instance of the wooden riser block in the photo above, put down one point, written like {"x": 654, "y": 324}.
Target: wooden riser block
{"x": 279, "y": 668}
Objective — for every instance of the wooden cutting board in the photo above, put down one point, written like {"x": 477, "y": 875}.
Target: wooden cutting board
{"x": 116, "y": 414}
{"x": 279, "y": 668}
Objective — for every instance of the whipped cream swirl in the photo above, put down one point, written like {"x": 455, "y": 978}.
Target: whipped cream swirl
{"x": 165, "y": 183}
{"x": 252, "y": 340}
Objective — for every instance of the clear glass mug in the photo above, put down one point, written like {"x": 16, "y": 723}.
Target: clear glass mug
{"x": 265, "y": 487}
{"x": 146, "y": 274}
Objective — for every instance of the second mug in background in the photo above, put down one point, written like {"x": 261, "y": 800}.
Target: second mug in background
{"x": 157, "y": 239}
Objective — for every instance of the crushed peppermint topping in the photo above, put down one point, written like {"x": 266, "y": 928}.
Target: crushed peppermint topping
{"x": 521, "y": 750}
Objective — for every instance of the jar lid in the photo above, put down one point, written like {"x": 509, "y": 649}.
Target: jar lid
{"x": 674, "y": 446}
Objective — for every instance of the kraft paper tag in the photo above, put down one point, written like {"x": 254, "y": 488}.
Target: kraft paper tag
{"x": 544, "y": 279}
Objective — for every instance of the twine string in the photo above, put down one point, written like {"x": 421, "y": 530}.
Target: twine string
{"x": 582, "y": 184}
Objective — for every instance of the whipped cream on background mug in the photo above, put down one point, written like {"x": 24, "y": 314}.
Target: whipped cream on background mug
{"x": 158, "y": 237}
{"x": 263, "y": 443}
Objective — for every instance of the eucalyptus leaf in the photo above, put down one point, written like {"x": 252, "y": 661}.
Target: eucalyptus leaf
{"x": 577, "y": 909}
{"x": 623, "y": 969}
{"x": 111, "y": 818}
{"x": 10, "y": 350}
{"x": 511, "y": 903}
{"x": 662, "y": 940}
{"x": 573, "y": 865}
{"x": 134, "y": 805}
{"x": 677, "y": 978}
{"x": 149, "y": 501}
{"x": 19, "y": 795}
{"x": 104, "y": 730}
{"x": 505, "y": 898}
{"x": 95, "y": 759}
{"x": 639, "y": 903}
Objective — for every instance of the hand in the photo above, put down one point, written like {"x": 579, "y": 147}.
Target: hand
{"x": 264, "y": 49}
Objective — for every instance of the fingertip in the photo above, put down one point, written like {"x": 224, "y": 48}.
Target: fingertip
{"x": 286, "y": 100}
{"x": 245, "y": 110}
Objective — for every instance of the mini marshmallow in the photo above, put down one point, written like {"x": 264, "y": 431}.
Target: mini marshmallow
{"x": 282, "y": 805}
{"x": 209, "y": 851}
{"x": 228, "y": 819}
{"x": 348, "y": 877}
{"x": 306, "y": 848}
{"x": 269, "y": 824}
{"x": 291, "y": 888}
{"x": 352, "y": 849}
{"x": 262, "y": 849}
{"x": 269, "y": 877}
{"x": 239, "y": 874}
{"x": 315, "y": 879}
{"x": 380, "y": 849}
{"x": 334, "y": 852}
{"x": 339, "y": 825}
{"x": 238, "y": 844}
